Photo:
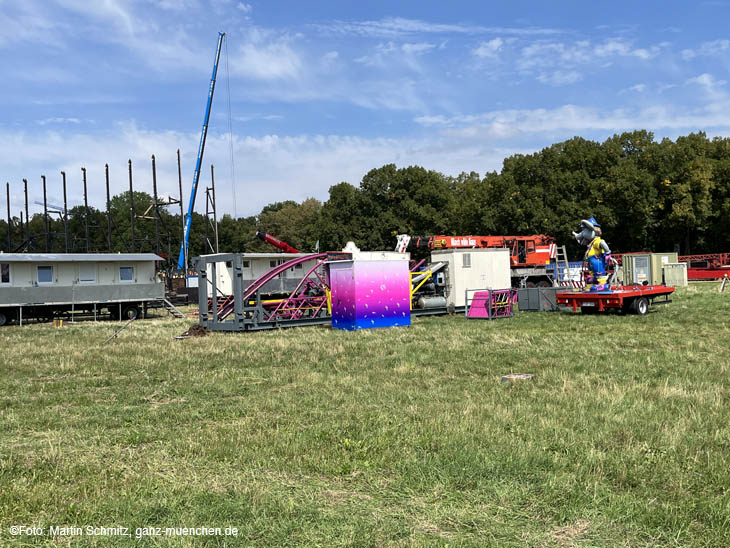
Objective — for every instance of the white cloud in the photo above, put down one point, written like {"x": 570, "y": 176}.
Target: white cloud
{"x": 614, "y": 46}
{"x": 542, "y": 53}
{"x": 58, "y": 120}
{"x": 706, "y": 80}
{"x": 418, "y": 48}
{"x": 396, "y": 27}
{"x": 638, "y": 88}
{"x": 569, "y": 120}
{"x": 378, "y": 58}
{"x": 174, "y": 5}
{"x": 271, "y": 61}
{"x": 715, "y": 47}
{"x": 489, "y": 49}
{"x": 245, "y": 8}
{"x": 560, "y": 77}
{"x": 26, "y": 22}
{"x": 391, "y": 57}
{"x": 252, "y": 117}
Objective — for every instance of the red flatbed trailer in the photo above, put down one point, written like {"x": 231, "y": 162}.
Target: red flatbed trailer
{"x": 626, "y": 298}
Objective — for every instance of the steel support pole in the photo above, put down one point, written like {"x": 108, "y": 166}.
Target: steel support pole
{"x": 108, "y": 210}
{"x": 86, "y": 211}
{"x": 131, "y": 205}
{"x": 215, "y": 214}
{"x": 45, "y": 214}
{"x": 65, "y": 212}
{"x": 10, "y": 238}
{"x": 157, "y": 207}
{"x": 27, "y": 217}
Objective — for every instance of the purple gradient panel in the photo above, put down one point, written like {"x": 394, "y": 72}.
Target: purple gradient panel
{"x": 377, "y": 294}
{"x": 342, "y": 286}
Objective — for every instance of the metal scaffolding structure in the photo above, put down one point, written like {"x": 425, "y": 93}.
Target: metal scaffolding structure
{"x": 79, "y": 228}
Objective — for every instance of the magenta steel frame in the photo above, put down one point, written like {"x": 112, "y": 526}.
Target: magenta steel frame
{"x": 298, "y": 303}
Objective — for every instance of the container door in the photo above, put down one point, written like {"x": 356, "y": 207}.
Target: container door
{"x": 641, "y": 270}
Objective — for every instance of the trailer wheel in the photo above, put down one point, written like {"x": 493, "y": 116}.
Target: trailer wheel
{"x": 3, "y": 319}
{"x": 544, "y": 283}
{"x": 130, "y": 312}
{"x": 45, "y": 316}
{"x": 641, "y": 306}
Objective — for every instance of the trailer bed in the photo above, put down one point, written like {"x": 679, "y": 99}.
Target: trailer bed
{"x": 626, "y": 298}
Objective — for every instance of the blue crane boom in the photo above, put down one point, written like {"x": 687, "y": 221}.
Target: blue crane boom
{"x": 182, "y": 259}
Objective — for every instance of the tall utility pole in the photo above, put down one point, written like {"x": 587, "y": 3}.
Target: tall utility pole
{"x": 131, "y": 205}
{"x": 108, "y": 210}
{"x": 10, "y": 238}
{"x": 65, "y": 212}
{"x": 45, "y": 215}
{"x": 201, "y": 148}
{"x": 27, "y": 218}
{"x": 210, "y": 209}
{"x": 86, "y": 210}
{"x": 157, "y": 206}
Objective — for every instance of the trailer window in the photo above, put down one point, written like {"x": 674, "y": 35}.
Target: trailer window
{"x": 245, "y": 264}
{"x": 4, "y": 273}
{"x": 87, "y": 273}
{"x": 126, "y": 273}
{"x": 466, "y": 260}
{"x": 45, "y": 274}
{"x": 272, "y": 264}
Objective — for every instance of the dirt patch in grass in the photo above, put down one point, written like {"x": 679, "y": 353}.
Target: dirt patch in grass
{"x": 196, "y": 330}
{"x": 569, "y": 535}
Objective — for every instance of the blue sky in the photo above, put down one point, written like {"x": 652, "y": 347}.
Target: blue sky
{"x": 321, "y": 92}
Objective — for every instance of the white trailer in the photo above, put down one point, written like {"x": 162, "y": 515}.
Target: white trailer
{"x": 472, "y": 269}
{"x": 37, "y": 285}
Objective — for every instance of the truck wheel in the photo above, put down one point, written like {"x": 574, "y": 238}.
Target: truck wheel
{"x": 130, "y": 312}
{"x": 4, "y": 320}
{"x": 641, "y": 306}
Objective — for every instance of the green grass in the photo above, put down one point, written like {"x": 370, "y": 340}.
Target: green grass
{"x": 400, "y": 437}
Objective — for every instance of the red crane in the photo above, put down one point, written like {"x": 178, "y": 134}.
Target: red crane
{"x": 269, "y": 239}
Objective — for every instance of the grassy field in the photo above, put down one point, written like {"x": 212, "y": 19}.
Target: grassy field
{"x": 394, "y": 437}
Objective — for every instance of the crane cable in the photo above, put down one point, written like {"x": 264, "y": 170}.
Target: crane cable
{"x": 230, "y": 133}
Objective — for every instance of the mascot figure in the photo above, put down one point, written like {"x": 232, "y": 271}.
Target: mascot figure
{"x": 598, "y": 255}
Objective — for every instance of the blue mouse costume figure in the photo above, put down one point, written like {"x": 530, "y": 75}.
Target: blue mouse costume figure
{"x": 598, "y": 255}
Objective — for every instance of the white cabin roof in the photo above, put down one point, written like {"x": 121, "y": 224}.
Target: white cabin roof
{"x": 76, "y": 257}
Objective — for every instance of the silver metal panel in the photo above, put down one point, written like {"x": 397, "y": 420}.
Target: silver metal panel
{"x": 79, "y": 294}
{"x": 76, "y": 257}
{"x": 538, "y": 298}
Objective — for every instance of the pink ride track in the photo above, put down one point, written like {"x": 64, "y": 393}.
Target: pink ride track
{"x": 307, "y": 300}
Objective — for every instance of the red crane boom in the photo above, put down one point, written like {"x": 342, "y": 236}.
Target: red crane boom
{"x": 269, "y": 239}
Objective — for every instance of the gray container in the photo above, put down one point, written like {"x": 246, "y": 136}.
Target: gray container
{"x": 538, "y": 299}
{"x": 675, "y": 274}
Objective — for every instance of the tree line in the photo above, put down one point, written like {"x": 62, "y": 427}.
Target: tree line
{"x": 647, "y": 195}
